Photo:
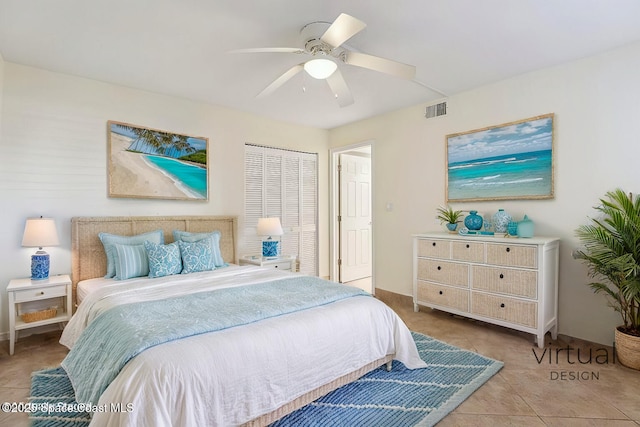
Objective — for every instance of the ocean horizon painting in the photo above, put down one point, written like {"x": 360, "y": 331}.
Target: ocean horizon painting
{"x": 151, "y": 163}
{"x": 509, "y": 161}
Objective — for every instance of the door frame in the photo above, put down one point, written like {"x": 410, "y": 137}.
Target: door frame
{"x": 334, "y": 203}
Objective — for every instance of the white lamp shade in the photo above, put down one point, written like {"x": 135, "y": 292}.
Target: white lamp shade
{"x": 40, "y": 232}
{"x": 269, "y": 227}
{"x": 320, "y": 68}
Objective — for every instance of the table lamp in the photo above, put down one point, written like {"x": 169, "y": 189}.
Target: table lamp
{"x": 270, "y": 227}
{"x": 40, "y": 232}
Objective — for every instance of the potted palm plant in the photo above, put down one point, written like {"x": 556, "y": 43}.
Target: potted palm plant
{"x": 611, "y": 250}
{"x": 449, "y": 217}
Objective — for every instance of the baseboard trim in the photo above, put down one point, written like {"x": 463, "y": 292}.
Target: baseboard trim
{"x": 4, "y": 336}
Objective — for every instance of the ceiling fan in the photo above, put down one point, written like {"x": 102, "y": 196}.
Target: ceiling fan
{"x": 325, "y": 48}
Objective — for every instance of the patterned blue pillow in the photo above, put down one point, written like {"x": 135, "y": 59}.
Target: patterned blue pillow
{"x": 109, "y": 240}
{"x": 164, "y": 260}
{"x": 131, "y": 261}
{"x": 196, "y": 256}
{"x": 213, "y": 239}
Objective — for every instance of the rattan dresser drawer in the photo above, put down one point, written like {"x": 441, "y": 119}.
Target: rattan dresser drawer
{"x": 510, "y": 281}
{"x": 444, "y": 296}
{"x": 504, "y": 308}
{"x": 467, "y": 251}
{"x": 447, "y": 273}
{"x": 511, "y": 255}
{"x": 434, "y": 248}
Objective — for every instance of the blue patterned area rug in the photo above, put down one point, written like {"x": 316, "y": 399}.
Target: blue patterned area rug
{"x": 402, "y": 397}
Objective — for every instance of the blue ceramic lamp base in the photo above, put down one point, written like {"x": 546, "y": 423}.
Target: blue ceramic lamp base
{"x": 40, "y": 266}
{"x": 270, "y": 248}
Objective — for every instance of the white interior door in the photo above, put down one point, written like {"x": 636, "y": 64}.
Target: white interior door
{"x": 355, "y": 218}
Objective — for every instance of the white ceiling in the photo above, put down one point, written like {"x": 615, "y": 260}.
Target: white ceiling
{"x": 180, "y": 47}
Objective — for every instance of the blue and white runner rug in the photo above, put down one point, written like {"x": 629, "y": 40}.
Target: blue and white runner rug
{"x": 402, "y": 397}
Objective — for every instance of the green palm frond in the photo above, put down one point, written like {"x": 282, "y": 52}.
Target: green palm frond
{"x": 611, "y": 250}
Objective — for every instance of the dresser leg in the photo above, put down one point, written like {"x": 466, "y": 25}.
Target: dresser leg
{"x": 415, "y": 307}
{"x": 540, "y": 340}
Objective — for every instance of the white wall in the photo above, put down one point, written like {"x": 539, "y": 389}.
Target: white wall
{"x": 597, "y": 119}
{"x": 53, "y": 158}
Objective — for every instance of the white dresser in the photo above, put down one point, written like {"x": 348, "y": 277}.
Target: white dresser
{"x": 512, "y": 282}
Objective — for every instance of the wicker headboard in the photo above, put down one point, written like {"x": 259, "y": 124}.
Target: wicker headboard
{"x": 88, "y": 259}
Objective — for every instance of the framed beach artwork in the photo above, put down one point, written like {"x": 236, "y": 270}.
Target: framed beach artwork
{"x": 505, "y": 162}
{"x": 156, "y": 164}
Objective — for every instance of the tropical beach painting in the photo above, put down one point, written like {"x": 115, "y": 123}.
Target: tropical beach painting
{"x": 150, "y": 163}
{"x": 510, "y": 161}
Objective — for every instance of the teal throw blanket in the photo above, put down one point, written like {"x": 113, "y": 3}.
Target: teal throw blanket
{"x": 119, "y": 334}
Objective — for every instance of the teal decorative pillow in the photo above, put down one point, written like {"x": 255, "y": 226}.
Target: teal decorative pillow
{"x": 109, "y": 240}
{"x": 213, "y": 239}
{"x": 164, "y": 260}
{"x": 131, "y": 261}
{"x": 196, "y": 256}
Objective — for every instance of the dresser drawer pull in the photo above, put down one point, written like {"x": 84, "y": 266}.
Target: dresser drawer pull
{"x": 502, "y": 305}
{"x": 508, "y": 249}
{"x": 41, "y": 292}
{"x": 501, "y": 276}
{"x": 275, "y": 266}
{"x": 468, "y": 246}
{"x": 440, "y": 292}
{"x": 439, "y": 268}
{"x": 434, "y": 243}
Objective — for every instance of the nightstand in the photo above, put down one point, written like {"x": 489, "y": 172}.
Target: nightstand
{"x": 26, "y": 295}
{"x": 285, "y": 263}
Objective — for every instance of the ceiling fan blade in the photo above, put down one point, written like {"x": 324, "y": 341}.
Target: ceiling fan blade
{"x": 382, "y": 65}
{"x": 269, "y": 50}
{"x": 281, "y": 80}
{"x": 340, "y": 89}
{"x": 343, "y": 28}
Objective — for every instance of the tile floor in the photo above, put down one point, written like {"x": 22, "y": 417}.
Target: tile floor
{"x": 523, "y": 393}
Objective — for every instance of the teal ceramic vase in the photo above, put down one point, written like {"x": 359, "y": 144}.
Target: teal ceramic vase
{"x": 473, "y": 221}
{"x": 501, "y": 221}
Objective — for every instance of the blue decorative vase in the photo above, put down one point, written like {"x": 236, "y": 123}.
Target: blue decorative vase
{"x": 525, "y": 227}
{"x": 473, "y": 221}
{"x": 512, "y": 228}
{"x": 501, "y": 221}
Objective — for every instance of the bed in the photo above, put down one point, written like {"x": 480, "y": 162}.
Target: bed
{"x": 251, "y": 361}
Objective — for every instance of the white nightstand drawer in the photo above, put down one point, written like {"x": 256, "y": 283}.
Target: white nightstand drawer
{"x": 284, "y": 263}
{"x": 280, "y": 265}
{"x": 40, "y": 293}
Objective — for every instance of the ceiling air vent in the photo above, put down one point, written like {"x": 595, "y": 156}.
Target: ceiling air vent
{"x": 436, "y": 110}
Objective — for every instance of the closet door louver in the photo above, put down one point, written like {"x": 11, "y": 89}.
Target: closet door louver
{"x": 282, "y": 183}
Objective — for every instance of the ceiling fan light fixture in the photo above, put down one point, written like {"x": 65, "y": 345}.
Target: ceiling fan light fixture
{"x": 320, "y": 68}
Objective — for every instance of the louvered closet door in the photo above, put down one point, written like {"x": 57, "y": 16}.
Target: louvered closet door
{"x": 281, "y": 183}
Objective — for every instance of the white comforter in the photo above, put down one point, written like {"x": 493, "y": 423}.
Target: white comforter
{"x": 232, "y": 376}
